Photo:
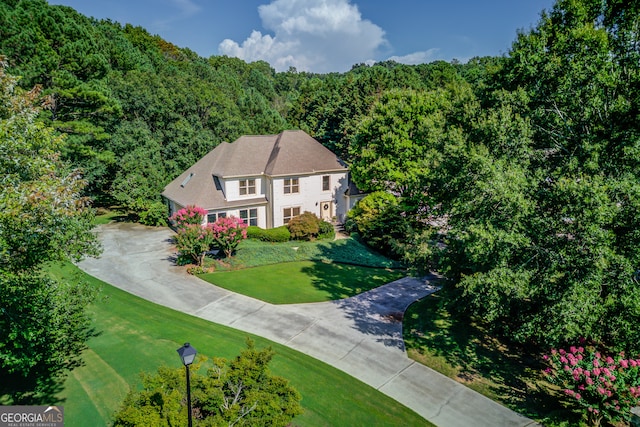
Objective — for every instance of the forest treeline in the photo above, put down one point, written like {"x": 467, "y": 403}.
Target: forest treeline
{"x": 517, "y": 177}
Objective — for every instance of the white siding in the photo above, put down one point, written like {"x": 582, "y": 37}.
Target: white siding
{"x": 310, "y": 196}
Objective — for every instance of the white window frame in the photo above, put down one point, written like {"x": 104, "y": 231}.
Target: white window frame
{"x": 286, "y": 218}
{"x": 247, "y": 187}
{"x": 291, "y": 185}
{"x": 326, "y": 182}
{"x": 247, "y": 216}
{"x": 215, "y": 216}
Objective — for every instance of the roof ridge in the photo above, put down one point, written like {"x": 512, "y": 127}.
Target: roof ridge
{"x": 274, "y": 155}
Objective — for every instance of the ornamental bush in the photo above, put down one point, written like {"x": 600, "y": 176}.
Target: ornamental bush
{"x": 326, "y": 230}
{"x": 228, "y": 233}
{"x": 278, "y": 234}
{"x": 155, "y": 215}
{"x": 605, "y": 387}
{"x": 193, "y": 241}
{"x": 304, "y": 227}
{"x": 189, "y": 215}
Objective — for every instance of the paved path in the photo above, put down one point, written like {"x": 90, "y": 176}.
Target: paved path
{"x": 362, "y": 335}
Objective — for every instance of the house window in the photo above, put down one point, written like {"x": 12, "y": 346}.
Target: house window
{"x": 213, "y": 217}
{"x": 291, "y": 185}
{"x": 247, "y": 186}
{"x": 326, "y": 183}
{"x": 249, "y": 216}
{"x": 289, "y": 213}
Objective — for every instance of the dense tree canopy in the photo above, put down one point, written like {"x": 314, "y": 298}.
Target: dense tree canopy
{"x": 517, "y": 176}
{"x": 43, "y": 218}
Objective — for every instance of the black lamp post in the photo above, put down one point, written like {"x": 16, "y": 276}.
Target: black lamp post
{"x": 188, "y": 354}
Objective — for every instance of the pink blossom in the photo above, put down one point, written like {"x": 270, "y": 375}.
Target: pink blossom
{"x": 574, "y": 362}
{"x": 561, "y": 351}
{"x": 602, "y": 391}
{"x": 624, "y": 363}
{"x": 596, "y": 363}
{"x": 596, "y": 371}
{"x": 589, "y": 381}
{"x": 573, "y": 349}
{"x": 580, "y": 349}
{"x": 587, "y": 373}
{"x": 563, "y": 359}
{"x": 578, "y": 396}
{"x": 610, "y": 360}
{"x": 597, "y": 355}
{"x": 633, "y": 363}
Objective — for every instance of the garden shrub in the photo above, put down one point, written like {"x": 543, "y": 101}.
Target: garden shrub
{"x": 304, "y": 227}
{"x": 191, "y": 215}
{"x": 278, "y": 234}
{"x": 326, "y": 230}
{"x": 378, "y": 220}
{"x": 227, "y": 233}
{"x": 155, "y": 215}
{"x": 604, "y": 387}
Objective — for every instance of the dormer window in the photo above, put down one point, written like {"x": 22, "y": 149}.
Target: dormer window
{"x": 247, "y": 186}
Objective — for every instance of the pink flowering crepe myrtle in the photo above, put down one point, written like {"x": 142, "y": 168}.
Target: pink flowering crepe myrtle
{"x": 605, "y": 387}
{"x": 191, "y": 215}
{"x": 228, "y": 233}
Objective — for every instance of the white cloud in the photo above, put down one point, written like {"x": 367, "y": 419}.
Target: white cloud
{"x": 311, "y": 35}
{"x": 183, "y": 9}
{"x": 414, "y": 58}
{"x": 186, "y": 7}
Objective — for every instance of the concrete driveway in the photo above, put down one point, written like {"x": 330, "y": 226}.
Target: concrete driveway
{"x": 362, "y": 335}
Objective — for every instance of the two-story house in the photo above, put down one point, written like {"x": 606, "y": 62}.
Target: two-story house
{"x": 266, "y": 180}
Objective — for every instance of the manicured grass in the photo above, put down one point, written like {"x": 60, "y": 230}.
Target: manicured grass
{"x": 254, "y": 253}
{"x": 305, "y": 281}
{"x": 467, "y": 353}
{"x": 136, "y": 335}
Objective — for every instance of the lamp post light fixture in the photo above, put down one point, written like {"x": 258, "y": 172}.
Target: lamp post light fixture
{"x": 187, "y": 355}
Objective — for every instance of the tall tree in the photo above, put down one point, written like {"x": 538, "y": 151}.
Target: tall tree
{"x": 542, "y": 241}
{"x": 43, "y": 218}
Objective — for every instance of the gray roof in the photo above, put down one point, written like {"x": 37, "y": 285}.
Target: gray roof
{"x": 289, "y": 153}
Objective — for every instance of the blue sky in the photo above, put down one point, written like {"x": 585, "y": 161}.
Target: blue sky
{"x": 328, "y": 35}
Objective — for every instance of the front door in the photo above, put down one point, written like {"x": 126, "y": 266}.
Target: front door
{"x": 326, "y": 210}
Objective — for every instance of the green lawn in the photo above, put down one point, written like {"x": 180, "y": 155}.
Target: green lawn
{"x": 303, "y": 281}
{"x": 136, "y": 335}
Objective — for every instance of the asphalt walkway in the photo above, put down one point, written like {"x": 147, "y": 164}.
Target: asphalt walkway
{"x": 362, "y": 335}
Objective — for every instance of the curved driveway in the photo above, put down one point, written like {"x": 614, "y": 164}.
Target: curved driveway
{"x": 362, "y": 335}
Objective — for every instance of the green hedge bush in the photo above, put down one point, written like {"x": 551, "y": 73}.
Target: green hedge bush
{"x": 278, "y": 234}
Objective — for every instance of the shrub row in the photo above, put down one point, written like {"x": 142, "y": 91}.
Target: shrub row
{"x": 279, "y": 234}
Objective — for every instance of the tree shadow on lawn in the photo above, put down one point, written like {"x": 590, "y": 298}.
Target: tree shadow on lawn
{"x": 375, "y": 310}
{"x": 505, "y": 372}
